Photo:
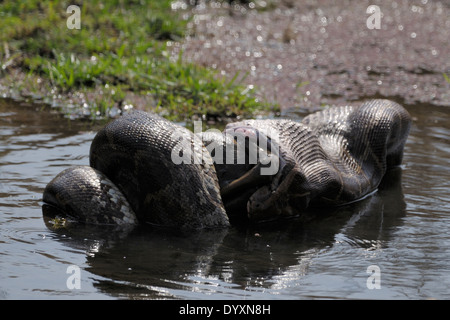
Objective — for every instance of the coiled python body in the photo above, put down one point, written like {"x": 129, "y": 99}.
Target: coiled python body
{"x": 332, "y": 157}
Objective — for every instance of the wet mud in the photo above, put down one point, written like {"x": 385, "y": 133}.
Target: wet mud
{"x": 304, "y": 54}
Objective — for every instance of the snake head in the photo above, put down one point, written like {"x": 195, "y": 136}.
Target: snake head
{"x": 246, "y": 158}
{"x": 274, "y": 186}
{"x": 283, "y": 197}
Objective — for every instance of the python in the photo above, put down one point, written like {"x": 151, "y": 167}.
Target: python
{"x": 239, "y": 145}
{"x": 332, "y": 157}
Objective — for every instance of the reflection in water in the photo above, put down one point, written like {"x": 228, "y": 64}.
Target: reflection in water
{"x": 161, "y": 262}
{"x": 403, "y": 229}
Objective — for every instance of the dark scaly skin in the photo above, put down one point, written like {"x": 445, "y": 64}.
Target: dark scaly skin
{"x": 88, "y": 196}
{"x": 332, "y": 157}
{"x": 134, "y": 152}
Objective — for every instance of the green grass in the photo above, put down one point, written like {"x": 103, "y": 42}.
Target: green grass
{"x": 122, "y": 46}
{"x": 446, "y": 77}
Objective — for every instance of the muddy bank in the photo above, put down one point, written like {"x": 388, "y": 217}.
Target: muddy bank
{"x": 303, "y": 54}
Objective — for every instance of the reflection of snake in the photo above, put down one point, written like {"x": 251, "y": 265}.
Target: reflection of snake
{"x": 332, "y": 157}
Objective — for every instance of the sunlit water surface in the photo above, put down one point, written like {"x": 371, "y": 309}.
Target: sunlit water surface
{"x": 403, "y": 231}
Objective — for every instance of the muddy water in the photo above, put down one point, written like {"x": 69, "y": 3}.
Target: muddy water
{"x": 403, "y": 231}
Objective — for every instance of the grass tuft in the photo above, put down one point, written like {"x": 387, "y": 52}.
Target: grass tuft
{"x": 120, "y": 51}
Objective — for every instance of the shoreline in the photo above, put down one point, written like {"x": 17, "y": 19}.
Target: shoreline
{"x": 297, "y": 56}
{"x": 307, "y": 54}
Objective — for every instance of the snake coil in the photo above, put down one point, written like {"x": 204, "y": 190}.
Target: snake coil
{"x": 331, "y": 157}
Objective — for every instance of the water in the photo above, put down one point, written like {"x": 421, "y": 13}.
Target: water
{"x": 403, "y": 230}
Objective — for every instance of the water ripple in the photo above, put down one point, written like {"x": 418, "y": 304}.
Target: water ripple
{"x": 403, "y": 229}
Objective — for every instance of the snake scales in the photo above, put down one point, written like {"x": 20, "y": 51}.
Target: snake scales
{"x": 332, "y": 157}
